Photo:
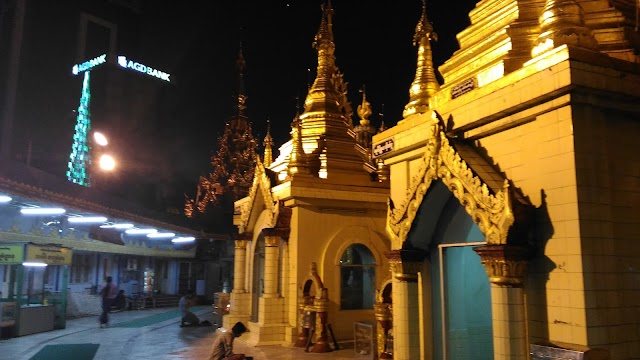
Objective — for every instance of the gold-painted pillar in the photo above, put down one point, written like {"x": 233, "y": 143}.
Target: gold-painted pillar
{"x": 405, "y": 265}
{"x": 322, "y": 339}
{"x": 271, "y": 243}
{"x": 383, "y": 315}
{"x": 506, "y": 266}
{"x": 239, "y": 265}
{"x": 303, "y": 328}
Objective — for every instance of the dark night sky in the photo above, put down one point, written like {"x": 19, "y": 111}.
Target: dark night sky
{"x": 198, "y": 44}
{"x": 373, "y": 48}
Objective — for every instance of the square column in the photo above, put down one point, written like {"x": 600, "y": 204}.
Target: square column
{"x": 405, "y": 265}
{"x": 506, "y": 266}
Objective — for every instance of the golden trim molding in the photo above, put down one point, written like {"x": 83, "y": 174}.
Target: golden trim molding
{"x": 506, "y": 265}
{"x": 262, "y": 181}
{"x": 492, "y": 213}
{"x": 241, "y": 244}
{"x": 405, "y": 264}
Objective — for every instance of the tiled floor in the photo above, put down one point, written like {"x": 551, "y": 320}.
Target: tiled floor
{"x": 164, "y": 340}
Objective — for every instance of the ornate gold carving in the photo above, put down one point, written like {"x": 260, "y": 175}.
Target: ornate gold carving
{"x": 405, "y": 264}
{"x": 260, "y": 181}
{"x": 506, "y": 265}
{"x": 241, "y": 244}
{"x": 492, "y": 213}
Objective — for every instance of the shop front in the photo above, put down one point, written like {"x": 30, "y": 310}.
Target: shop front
{"x": 34, "y": 288}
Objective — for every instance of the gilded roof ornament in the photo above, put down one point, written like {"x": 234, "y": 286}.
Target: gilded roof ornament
{"x": 364, "y": 109}
{"x": 425, "y": 83}
{"x": 323, "y": 95}
{"x": 562, "y": 22}
{"x": 297, "y": 158}
{"x": 268, "y": 144}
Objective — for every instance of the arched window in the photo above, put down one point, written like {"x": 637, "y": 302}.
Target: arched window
{"x": 357, "y": 278}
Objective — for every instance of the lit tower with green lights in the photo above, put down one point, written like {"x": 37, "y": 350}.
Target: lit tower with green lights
{"x": 80, "y": 157}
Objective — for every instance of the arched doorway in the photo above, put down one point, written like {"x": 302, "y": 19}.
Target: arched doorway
{"x": 257, "y": 284}
{"x": 457, "y": 286}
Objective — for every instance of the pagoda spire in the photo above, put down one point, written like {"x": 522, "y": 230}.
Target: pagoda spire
{"x": 364, "y": 131}
{"x": 425, "y": 84}
{"x": 268, "y": 150}
{"x": 240, "y": 68}
{"x": 297, "y": 159}
{"x": 323, "y": 95}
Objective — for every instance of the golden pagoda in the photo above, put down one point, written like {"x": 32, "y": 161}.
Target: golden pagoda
{"x": 310, "y": 250}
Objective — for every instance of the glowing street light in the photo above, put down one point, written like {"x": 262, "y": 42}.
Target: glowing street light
{"x": 107, "y": 162}
{"x": 100, "y": 139}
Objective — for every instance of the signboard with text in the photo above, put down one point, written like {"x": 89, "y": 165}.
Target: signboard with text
{"x": 48, "y": 254}
{"x": 383, "y": 147}
{"x": 11, "y": 254}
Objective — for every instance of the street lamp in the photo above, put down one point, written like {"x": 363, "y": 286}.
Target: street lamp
{"x": 105, "y": 161}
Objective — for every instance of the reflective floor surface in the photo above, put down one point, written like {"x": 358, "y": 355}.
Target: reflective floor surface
{"x": 160, "y": 340}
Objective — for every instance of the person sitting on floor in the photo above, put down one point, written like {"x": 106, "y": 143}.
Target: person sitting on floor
{"x": 223, "y": 344}
{"x": 188, "y": 318}
{"x": 120, "y": 302}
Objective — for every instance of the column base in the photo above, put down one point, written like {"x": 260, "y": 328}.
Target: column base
{"x": 320, "y": 347}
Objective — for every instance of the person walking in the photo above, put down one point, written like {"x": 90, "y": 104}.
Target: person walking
{"x": 223, "y": 345}
{"x": 108, "y": 293}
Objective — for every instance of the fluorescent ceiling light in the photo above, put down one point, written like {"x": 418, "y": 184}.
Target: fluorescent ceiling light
{"x": 87, "y": 219}
{"x": 117, "y": 226}
{"x": 160, "y": 235}
{"x": 5, "y": 198}
{"x": 36, "y": 264}
{"x": 141, "y": 231}
{"x": 43, "y": 211}
{"x": 183, "y": 239}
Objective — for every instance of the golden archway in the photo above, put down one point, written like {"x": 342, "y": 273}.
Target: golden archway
{"x": 490, "y": 207}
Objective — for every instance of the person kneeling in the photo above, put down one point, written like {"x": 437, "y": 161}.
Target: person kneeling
{"x": 188, "y": 318}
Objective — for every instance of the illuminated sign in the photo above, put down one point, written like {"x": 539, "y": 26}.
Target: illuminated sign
{"x": 130, "y": 64}
{"x": 48, "y": 255}
{"x": 382, "y": 148}
{"x": 11, "y": 254}
{"x": 89, "y": 64}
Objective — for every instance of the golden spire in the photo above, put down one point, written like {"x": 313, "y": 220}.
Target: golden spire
{"x": 425, "y": 83}
{"x": 268, "y": 143}
{"x": 297, "y": 158}
{"x": 562, "y": 22}
{"x": 323, "y": 95}
{"x": 364, "y": 110}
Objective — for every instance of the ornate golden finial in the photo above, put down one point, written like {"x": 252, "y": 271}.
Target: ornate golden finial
{"x": 381, "y": 114}
{"x": 364, "y": 110}
{"x": 268, "y": 143}
{"x": 425, "y": 83}
{"x": 323, "y": 95}
{"x": 298, "y": 158}
{"x": 562, "y": 22}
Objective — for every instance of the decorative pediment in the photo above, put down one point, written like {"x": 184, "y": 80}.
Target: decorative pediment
{"x": 490, "y": 208}
{"x": 260, "y": 197}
